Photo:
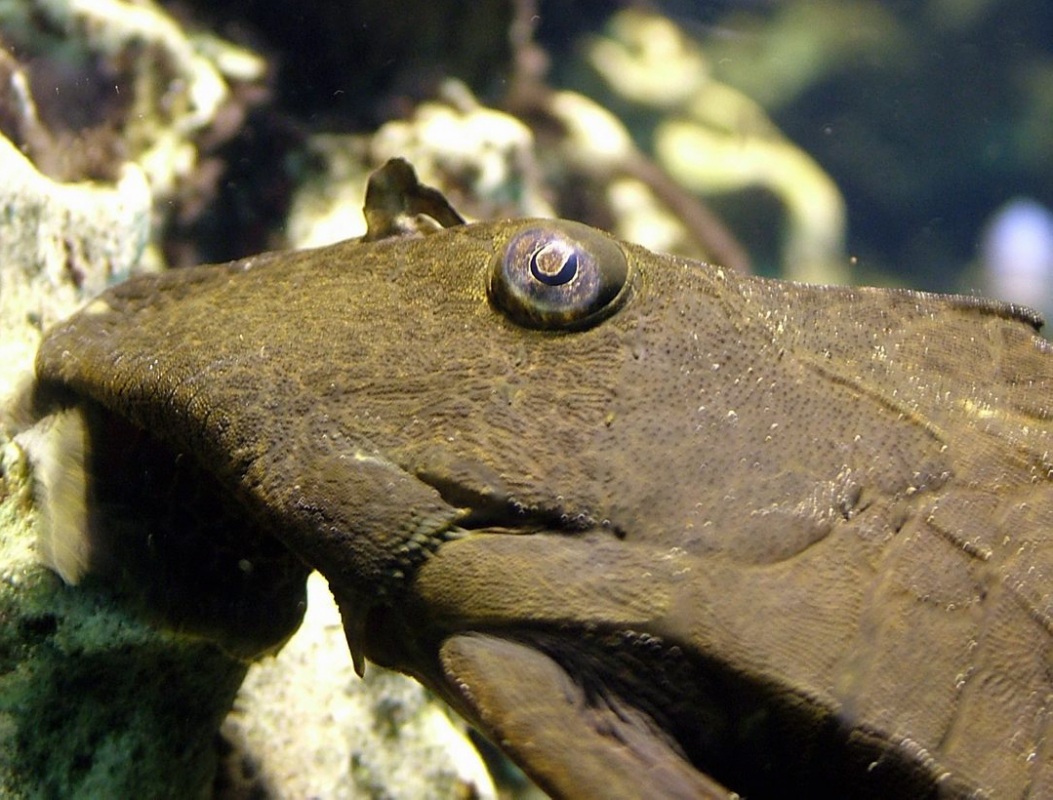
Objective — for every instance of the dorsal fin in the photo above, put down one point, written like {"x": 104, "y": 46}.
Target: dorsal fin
{"x": 397, "y": 204}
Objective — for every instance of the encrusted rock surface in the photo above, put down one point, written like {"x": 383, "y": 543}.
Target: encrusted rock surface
{"x": 304, "y": 725}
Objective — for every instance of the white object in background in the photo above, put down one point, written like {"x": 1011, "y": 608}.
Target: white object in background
{"x": 1017, "y": 254}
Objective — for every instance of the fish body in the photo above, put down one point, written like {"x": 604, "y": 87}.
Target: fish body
{"x": 656, "y": 528}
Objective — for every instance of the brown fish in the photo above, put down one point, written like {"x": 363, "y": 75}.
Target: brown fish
{"x": 654, "y": 527}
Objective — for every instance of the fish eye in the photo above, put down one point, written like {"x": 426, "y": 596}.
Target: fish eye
{"x": 558, "y": 275}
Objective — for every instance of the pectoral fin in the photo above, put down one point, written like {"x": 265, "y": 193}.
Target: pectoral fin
{"x": 571, "y": 743}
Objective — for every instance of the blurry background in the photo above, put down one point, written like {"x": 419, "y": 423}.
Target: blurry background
{"x": 907, "y": 142}
{"x": 929, "y": 116}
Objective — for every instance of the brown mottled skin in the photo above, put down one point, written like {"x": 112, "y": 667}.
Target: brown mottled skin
{"x": 738, "y": 533}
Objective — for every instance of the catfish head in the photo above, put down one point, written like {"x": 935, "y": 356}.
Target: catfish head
{"x": 656, "y": 528}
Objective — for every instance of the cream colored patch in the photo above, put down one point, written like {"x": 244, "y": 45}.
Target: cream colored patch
{"x": 97, "y": 306}
{"x": 980, "y": 410}
{"x": 55, "y": 447}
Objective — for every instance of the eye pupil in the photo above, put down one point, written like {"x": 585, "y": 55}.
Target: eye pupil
{"x": 554, "y": 264}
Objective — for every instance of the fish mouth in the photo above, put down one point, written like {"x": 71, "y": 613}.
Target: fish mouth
{"x": 124, "y": 513}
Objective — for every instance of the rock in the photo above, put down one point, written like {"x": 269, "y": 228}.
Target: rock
{"x": 59, "y": 244}
{"x": 304, "y": 725}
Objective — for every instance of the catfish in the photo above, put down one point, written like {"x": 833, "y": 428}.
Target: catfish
{"x": 655, "y": 528}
